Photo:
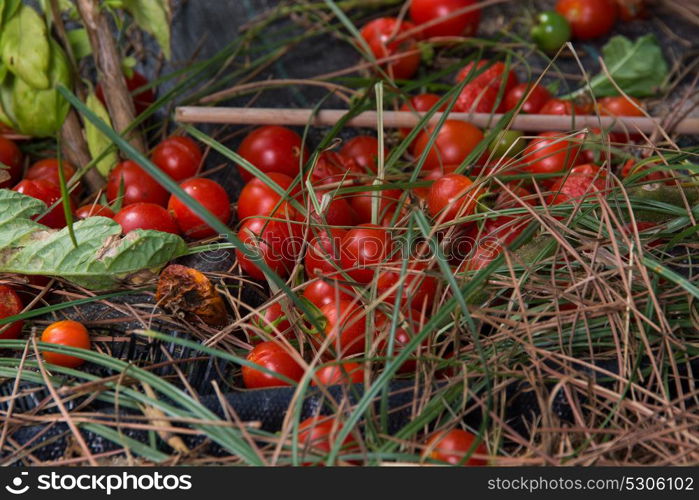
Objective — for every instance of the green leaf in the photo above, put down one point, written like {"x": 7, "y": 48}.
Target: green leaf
{"x": 8, "y": 8}
{"x": 100, "y": 146}
{"x": 41, "y": 113}
{"x": 154, "y": 17}
{"x": 79, "y": 43}
{"x": 638, "y": 68}
{"x": 25, "y": 48}
{"x": 103, "y": 259}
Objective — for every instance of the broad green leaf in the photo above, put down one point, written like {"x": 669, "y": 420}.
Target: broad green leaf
{"x": 103, "y": 259}
{"x": 41, "y": 113}
{"x": 79, "y": 43}
{"x": 97, "y": 142}
{"x": 638, "y": 68}
{"x": 25, "y": 48}
{"x": 154, "y": 17}
{"x": 8, "y": 8}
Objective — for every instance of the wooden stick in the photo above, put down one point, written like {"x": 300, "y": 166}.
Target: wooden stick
{"x": 408, "y": 119}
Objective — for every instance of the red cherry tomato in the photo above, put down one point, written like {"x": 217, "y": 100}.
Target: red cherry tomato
{"x": 94, "y": 210}
{"x": 138, "y": 185}
{"x": 10, "y": 305}
{"x": 321, "y": 292}
{"x": 363, "y": 249}
{"x": 410, "y": 325}
{"x": 345, "y": 325}
{"x": 419, "y": 288}
{"x": 477, "y": 98}
{"x": 67, "y": 333}
{"x": 275, "y": 320}
{"x": 588, "y": 18}
{"x": 492, "y": 76}
{"x": 273, "y": 149}
{"x": 48, "y": 170}
{"x": 346, "y": 372}
{"x": 49, "y": 193}
{"x": 336, "y": 212}
{"x": 178, "y": 156}
{"x": 11, "y": 156}
{"x": 333, "y": 167}
{"x": 427, "y": 11}
{"x": 453, "y": 446}
{"x": 320, "y": 433}
{"x": 430, "y": 176}
{"x": 142, "y": 99}
{"x": 386, "y": 37}
{"x": 496, "y": 235}
{"x": 146, "y": 216}
{"x": 582, "y": 182}
{"x": 364, "y": 150}
{"x": 276, "y": 359}
{"x": 620, "y": 106}
{"x": 536, "y": 96}
{"x": 560, "y": 107}
{"x": 551, "y": 154}
{"x": 456, "y": 140}
{"x": 453, "y": 196}
{"x": 212, "y": 196}
{"x": 278, "y": 241}
{"x": 421, "y": 103}
{"x": 257, "y": 199}
{"x": 631, "y": 167}
{"x": 362, "y": 203}
{"x": 323, "y": 251}
{"x": 630, "y": 10}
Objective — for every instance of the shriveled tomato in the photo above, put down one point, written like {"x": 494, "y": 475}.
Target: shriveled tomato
{"x": 323, "y": 254}
{"x": 477, "y": 98}
{"x": 47, "y": 169}
{"x": 421, "y": 103}
{"x": 212, "y": 196}
{"x": 138, "y": 185}
{"x": 258, "y": 199}
{"x": 533, "y": 95}
{"x": 345, "y": 325}
{"x": 94, "y": 210}
{"x": 454, "y": 446}
{"x": 491, "y": 76}
{"x": 67, "y": 333}
{"x": 386, "y": 37}
{"x": 582, "y": 182}
{"x": 453, "y": 196}
{"x": 143, "y": 98}
{"x": 362, "y": 203}
{"x": 588, "y": 18}
{"x": 147, "y": 216}
{"x": 10, "y": 305}
{"x": 455, "y": 142}
{"x": 551, "y": 153}
{"x": 10, "y": 156}
{"x": 178, "y": 156}
{"x": 274, "y": 358}
{"x": 49, "y": 193}
{"x": 278, "y": 241}
{"x": 323, "y": 292}
{"x": 454, "y": 20}
{"x": 273, "y": 149}
{"x": 364, "y": 150}
{"x": 345, "y": 372}
{"x": 363, "y": 249}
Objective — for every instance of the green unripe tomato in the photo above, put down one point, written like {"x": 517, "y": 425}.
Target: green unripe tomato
{"x": 507, "y": 143}
{"x": 551, "y": 32}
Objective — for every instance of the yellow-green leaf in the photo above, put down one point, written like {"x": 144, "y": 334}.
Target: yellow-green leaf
{"x": 25, "y": 48}
{"x": 154, "y": 17}
{"x": 100, "y": 146}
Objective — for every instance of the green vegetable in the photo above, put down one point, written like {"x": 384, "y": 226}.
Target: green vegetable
{"x": 97, "y": 142}
{"x": 552, "y": 31}
{"x": 25, "y": 48}
{"x": 508, "y": 143}
{"x": 8, "y": 8}
{"x": 103, "y": 259}
{"x": 41, "y": 113}
{"x": 638, "y": 68}
{"x": 79, "y": 43}
{"x": 153, "y": 16}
